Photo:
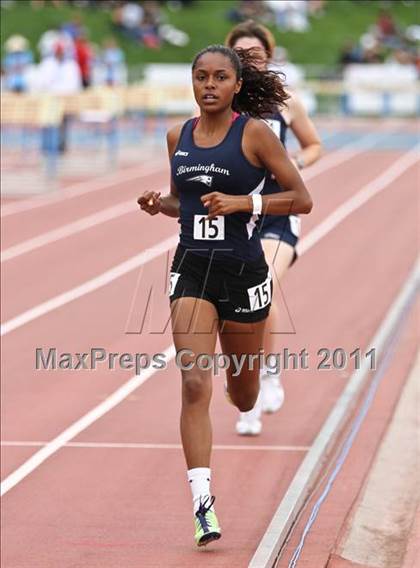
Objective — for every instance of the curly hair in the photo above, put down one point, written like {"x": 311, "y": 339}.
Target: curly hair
{"x": 262, "y": 91}
{"x": 252, "y": 29}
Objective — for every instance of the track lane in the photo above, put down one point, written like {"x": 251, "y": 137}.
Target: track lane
{"x": 109, "y": 321}
{"x": 82, "y": 223}
{"x": 336, "y": 513}
{"x": 332, "y": 159}
{"x": 90, "y": 241}
{"x": 399, "y": 249}
{"x": 85, "y": 535}
{"x": 335, "y": 311}
{"x": 234, "y": 475}
{"x": 31, "y": 223}
{"x": 64, "y": 212}
{"x": 102, "y": 249}
{"x": 75, "y": 186}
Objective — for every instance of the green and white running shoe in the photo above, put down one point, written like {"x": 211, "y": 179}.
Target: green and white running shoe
{"x": 206, "y": 524}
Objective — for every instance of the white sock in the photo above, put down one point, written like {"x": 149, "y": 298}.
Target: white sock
{"x": 199, "y": 479}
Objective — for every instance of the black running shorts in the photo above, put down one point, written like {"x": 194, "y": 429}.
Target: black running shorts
{"x": 240, "y": 291}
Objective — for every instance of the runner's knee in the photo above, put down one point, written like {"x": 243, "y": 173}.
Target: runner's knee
{"x": 196, "y": 386}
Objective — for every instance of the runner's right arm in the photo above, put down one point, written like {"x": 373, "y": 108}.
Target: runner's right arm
{"x": 151, "y": 201}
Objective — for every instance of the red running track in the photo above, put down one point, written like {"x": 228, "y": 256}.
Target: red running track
{"x": 99, "y": 501}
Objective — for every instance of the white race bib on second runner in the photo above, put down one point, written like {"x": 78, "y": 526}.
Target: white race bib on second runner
{"x": 294, "y": 225}
{"x": 173, "y": 279}
{"x": 274, "y": 125}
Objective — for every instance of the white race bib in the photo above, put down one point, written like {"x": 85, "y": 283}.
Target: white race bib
{"x": 294, "y": 225}
{"x": 274, "y": 125}
{"x": 209, "y": 229}
{"x": 173, "y": 279}
{"x": 260, "y": 296}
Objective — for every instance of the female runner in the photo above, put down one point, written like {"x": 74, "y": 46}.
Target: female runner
{"x": 219, "y": 278}
{"x": 279, "y": 234}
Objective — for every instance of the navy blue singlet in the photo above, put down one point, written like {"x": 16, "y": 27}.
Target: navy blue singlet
{"x": 196, "y": 171}
{"x": 279, "y": 126}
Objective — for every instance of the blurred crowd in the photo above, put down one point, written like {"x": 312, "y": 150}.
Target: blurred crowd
{"x": 384, "y": 41}
{"x": 99, "y": 4}
{"x": 145, "y": 22}
{"x": 286, "y": 15}
{"x": 68, "y": 62}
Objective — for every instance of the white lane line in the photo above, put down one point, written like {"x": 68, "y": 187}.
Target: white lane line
{"x": 84, "y": 422}
{"x": 360, "y": 198}
{"x": 145, "y": 446}
{"x": 330, "y": 161}
{"x": 372, "y": 188}
{"x": 292, "y": 502}
{"x": 338, "y": 157}
{"x": 90, "y": 285}
{"x": 39, "y": 457}
{"x": 69, "y": 229}
{"x": 82, "y": 188}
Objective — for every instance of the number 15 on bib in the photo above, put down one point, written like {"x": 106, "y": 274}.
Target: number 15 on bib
{"x": 260, "y": 296}
{"x": 209, "y": 229}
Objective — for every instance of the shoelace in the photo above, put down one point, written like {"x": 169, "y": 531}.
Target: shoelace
{"x": 203, "y": 509}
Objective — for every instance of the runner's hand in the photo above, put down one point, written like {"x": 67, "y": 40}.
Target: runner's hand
{"x": 150, "y": 202}
{"x": 222, "y": 204}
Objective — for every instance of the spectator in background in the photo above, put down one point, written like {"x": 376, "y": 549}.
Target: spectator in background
{"x": 149, "y": 27}
{"x": 350, "y": 53}
{"x": 74, "y": 35}
{"x": 47, "y": 41}
{"x": 145, "y": 23}
{"x": 17, "y": 64}
{"x": 247, "y": 10}
{"x": 372, "y": 51}
{"x": 73, "y": 27}
{"x": 289, "y": 14}
{"x": 59, "y": 74}
{"x": 316, "y": 8}
{"x": 127, "y": 19}
{"x": 83, "y": 53}
{"x": 110, "y": 68}
{"x": 403, "y": 56}
{"x": 382, "y": 41}
{"x": 386, "y": 28}
{"x": 51, "y": 38}
{"x": 140, "y": 22}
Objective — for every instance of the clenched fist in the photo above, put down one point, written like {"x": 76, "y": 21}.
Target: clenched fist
{"x": 150, "y": 202}
{"x": 222, "y": 204}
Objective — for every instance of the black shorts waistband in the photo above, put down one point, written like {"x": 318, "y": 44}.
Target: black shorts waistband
{"x": 217, "y": 260}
